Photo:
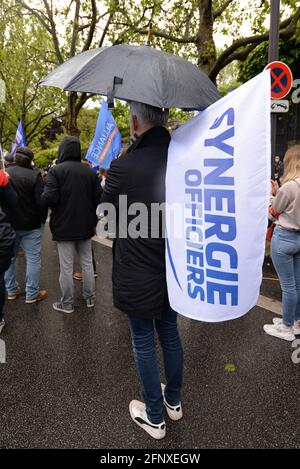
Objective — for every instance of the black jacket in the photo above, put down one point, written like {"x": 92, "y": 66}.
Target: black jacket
{"x": 72, "y": 191}
{"x": 9, "y": 197}
{"x": 7, "y": 242}
{"x": 139, "y": 272}
{"x": 28, "y": 184}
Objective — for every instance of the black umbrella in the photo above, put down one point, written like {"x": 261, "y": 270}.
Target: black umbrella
{"x": 136, "y": 73}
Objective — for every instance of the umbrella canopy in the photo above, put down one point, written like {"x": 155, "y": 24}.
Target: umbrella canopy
{"x": 136, "y": 73}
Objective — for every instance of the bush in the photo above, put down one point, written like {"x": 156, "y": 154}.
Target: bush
{"x": 44, "y": 158}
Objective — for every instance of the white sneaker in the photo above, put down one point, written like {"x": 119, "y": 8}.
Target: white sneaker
{"x": 138, "y": 414}
{"x": 2, "y": 324}
{"x": 281, "y": 331}
{"x": 90, "y": 303}
{"x": 173, "y": 411}
{"x": 296, "y": 327}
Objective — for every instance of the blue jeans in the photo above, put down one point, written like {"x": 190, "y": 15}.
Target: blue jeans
{"x": 285, "y": 253}
{"x": 31, "y": 242}
{"x": 142, "y": 332}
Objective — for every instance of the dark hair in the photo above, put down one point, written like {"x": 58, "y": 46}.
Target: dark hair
{"x": 24, "y": 157}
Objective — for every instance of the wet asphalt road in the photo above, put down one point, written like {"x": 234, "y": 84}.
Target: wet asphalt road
{"x": 68, "y": 379}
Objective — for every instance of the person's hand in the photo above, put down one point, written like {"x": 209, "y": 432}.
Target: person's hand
{"x": 4, "y": 178}
{"x": 274, "y": 187}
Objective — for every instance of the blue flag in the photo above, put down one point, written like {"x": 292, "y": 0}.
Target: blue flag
{"x": 19, "y": 140}
{"x": 107, "y": 142}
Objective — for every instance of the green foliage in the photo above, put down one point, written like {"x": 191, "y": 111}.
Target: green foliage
{"x": 25, "y": 52}
{"x": 121, "y": 115}
{"x": 227, "y": 78}
{"x": 28, "y": 51}
{"x": 289, "y": 52}
{"x": 44, "y": 158}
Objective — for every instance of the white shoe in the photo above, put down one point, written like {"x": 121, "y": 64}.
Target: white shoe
{"x": 2, "y": 324}
{"x": 173, "y": 411}
{"x": 138, "y": 414}
{"x": 90, "y": 303}
{"x": 296, "y": 326}
{"x": 281, "y": 331}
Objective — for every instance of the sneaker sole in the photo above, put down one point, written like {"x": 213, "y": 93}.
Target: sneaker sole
{"x": 90, "y": 306}
{"x": 13, "y": 297}
{"x": 61, "y": 310}
{"x": 36, "y": 300}
{"x": 145, "y": 426}
{"x": 2, "y": 327}
{"x": 280, "y": 336}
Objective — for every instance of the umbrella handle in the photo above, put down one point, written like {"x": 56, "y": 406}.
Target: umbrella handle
{"x": 111, "y": 92}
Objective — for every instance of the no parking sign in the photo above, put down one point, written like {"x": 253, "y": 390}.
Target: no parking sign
{"x": 281, "y": 79}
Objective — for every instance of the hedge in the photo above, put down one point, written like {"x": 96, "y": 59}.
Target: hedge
{"x": 45, "y": 158}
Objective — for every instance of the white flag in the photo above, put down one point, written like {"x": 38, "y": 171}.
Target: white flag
{"x": 218, "y": 181}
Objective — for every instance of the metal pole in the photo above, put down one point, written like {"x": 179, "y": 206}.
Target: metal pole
{"x": 273, "y": 54}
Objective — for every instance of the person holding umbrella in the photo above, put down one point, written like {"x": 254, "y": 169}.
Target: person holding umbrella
{"x": 139, "y": 271}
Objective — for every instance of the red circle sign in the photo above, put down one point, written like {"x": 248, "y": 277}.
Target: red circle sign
{"x": 281, "y": 79}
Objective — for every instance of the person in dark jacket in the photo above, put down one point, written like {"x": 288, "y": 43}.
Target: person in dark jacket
{"x": 27, "y": 220}
{"x": 7, "y": 236}
{"x": 139, "y": 271}
{"x": 73, "y": 191}
{"x": 278, "y": 169}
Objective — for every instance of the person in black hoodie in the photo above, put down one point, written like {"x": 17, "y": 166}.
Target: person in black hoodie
{"x": 27, "y": 220}
{"x": 7, "y": 236}
{"x": 73, "y": 191}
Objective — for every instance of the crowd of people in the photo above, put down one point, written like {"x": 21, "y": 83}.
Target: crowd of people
{"x": 72, "y": 191}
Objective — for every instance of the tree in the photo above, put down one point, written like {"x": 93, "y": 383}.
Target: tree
{"x": 21, "y": 68}
{"x": 289, "y": 52}
{"x": 81, "y": 26}
{"x": 188, "y": 27}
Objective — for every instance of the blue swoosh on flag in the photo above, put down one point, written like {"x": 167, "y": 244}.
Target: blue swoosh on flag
{"x": 172, "y": 264}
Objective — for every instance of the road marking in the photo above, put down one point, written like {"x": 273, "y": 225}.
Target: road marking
{"x": 263, "y": 301}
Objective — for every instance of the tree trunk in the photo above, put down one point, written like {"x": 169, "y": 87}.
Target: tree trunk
{"x": 205, "y": 43}
{"x": 70, "y": 121}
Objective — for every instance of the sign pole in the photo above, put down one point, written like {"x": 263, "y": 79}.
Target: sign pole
{"x": 273, "y": 53}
